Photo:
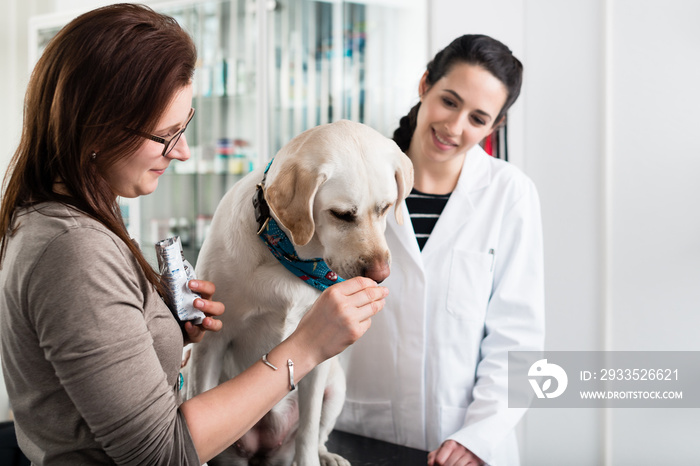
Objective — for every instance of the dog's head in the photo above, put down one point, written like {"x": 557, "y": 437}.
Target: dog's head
{"x": 331, "y": 188}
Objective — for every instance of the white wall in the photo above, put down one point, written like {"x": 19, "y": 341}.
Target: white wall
{"x": 610, "y": 138}
{"x": 15, "y": 70}
{"x": 655, "y": 226}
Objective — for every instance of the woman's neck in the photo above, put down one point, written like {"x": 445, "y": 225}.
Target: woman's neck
{"x": 59, "y": 187}
{"x": 432, "y": 177}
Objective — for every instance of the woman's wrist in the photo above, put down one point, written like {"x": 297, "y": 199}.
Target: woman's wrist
{"x": 299, "y": 353}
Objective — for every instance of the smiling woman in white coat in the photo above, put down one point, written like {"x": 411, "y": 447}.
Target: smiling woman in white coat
{"x": 467, "y": 280}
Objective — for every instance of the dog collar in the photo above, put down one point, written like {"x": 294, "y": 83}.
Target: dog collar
{"x": 314, "y": 272}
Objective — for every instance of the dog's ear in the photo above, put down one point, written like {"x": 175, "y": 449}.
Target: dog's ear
{"x": 404, "y": 183}
{"x": 291, "y": 197}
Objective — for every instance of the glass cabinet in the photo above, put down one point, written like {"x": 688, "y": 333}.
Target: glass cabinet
{"x": 268, "y": 70}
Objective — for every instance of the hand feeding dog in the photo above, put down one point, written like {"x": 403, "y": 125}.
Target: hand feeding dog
{"x": 323, "y": 200}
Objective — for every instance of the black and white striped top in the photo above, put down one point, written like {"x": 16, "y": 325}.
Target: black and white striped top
{"x": 425, "y": 209}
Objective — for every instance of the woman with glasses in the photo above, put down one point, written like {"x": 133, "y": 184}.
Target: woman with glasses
{"x": 90, "y": 352}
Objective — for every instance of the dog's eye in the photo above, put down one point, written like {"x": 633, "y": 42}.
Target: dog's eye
{"x": 344, "y": 216}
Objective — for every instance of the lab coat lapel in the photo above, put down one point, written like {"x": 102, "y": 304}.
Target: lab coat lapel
{"x": 405, "y": 236}
{"x": 475, "y": 175}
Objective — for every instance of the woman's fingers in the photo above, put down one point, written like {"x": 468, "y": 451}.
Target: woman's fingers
{"x": 363, "y": 294}
{"x": 205, "y": 304}
{"x": 205, "y": 288}
{"x": 209, "y": 307}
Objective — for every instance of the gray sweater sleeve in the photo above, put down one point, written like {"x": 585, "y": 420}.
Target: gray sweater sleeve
{"x": 89, "y": 305}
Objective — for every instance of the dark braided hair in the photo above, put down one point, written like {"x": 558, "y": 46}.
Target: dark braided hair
{"x": 472, "y": 49}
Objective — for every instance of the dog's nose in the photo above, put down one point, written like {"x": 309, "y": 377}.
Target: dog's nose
{"x": 377, "y": 271}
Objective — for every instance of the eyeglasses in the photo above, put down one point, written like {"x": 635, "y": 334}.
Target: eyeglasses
{"x": 168, "y": 143}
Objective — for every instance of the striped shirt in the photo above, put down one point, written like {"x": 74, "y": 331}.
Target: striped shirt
{"x": 425, "y": 209}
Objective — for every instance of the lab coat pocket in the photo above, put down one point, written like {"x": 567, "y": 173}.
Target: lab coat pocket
{"x": 369, "y": 419}
{"x": 469, "y": 284}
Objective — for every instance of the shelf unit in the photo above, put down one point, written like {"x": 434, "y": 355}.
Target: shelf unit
{"x": 268, "y": 70}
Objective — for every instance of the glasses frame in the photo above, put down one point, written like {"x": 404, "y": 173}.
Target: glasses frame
{"x": 168, "y": 143}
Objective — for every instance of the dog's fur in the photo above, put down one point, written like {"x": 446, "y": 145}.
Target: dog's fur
{"x": 329, "y": 189}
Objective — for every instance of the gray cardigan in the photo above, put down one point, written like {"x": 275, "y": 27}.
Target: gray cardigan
{"x": 90, "y": 352}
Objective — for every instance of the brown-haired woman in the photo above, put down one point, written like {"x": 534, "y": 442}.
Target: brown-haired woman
{"x": 90, "y": 351}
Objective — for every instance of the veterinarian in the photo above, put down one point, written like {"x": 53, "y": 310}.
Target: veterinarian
{"x": 90, "y": 352}
{"x": 466, "y": 276}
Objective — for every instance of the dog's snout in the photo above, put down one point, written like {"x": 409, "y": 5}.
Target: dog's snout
{"x": 377, "y": 270}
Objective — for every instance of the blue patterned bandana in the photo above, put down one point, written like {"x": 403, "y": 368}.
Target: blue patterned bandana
{"x": 315, "y": 272}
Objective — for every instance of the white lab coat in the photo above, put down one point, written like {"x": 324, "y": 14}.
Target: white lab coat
{"x": 434, "y": 364}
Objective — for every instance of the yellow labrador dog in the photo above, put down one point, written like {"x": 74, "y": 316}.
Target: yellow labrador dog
{"x": 329, "y": 191}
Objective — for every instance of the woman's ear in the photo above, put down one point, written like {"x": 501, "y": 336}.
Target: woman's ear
{"x": 423, "y": 85}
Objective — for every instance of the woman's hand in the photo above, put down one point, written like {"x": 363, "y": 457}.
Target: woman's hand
{"x": 339, "y": 317}
{"x": 452, "y": 453}
{"x": 206, "y": 289}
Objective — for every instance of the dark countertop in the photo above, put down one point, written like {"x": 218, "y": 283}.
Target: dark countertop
{"x": 359, "y": 451}
{"x": 363, "y": 451}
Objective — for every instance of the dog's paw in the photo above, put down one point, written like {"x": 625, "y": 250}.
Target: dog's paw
{"x": 331, "y": 459}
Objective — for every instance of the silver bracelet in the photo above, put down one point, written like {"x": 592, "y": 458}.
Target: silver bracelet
{"x": 290, "y": 366}
{"x": 268, "y": 363}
